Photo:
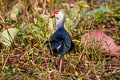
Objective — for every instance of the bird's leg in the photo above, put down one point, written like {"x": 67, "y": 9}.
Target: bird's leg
{"x": 56, "y": 63}
{"x": 61, "y": 59}
{"x": 60, "y": 65}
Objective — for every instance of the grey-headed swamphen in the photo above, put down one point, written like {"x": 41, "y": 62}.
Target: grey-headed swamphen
{"x": 60, "y": 42}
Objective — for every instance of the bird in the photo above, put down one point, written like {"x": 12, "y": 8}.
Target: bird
{"x": 60, "y": 41}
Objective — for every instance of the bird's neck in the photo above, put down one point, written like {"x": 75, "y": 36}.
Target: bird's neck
{"x": 60, "y": 23}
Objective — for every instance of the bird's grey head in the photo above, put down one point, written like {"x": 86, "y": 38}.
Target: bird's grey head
{"x": 57, "y": 14}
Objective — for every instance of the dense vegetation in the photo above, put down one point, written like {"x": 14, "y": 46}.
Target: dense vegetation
{"x": 25, "y": 27}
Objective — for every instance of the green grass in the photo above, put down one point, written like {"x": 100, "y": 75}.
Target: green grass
{"x": 28, "y": 58}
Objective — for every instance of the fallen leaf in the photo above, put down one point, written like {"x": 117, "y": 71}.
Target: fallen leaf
{"x": 76, "y": 73}
{"x": 85, "y": 5}
{"x": 98, "y": 39}
{"x": 15, "y": 11}
{"x": 8, "y": 36}
{"x": 48, "y": 1}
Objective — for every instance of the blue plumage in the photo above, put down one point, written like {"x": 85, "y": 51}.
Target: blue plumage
{"x": 60, "y": 42}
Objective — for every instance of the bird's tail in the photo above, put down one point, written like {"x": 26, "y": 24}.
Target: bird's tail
{"x": 72, "y": 46}
{"x": 54, "y": 47}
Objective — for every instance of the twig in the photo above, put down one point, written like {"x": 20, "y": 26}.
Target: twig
{"x": 43, "y": 2}
{"x": 5, "y": 62}
{"x": 35, "y": 65}
{"x": 49, "y": 73}
{"x": 2, "y": 56}
{"x": 50, "y": 46}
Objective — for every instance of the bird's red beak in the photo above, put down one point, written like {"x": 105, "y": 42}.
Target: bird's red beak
{"x": 52, "y": 15}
